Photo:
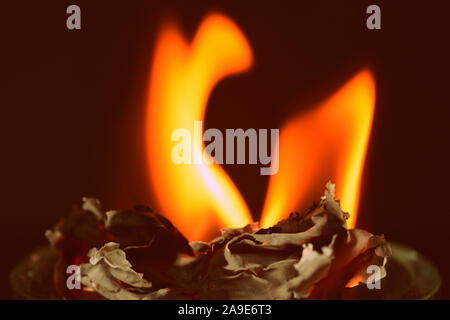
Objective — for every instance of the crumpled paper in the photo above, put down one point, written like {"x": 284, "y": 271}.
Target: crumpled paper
{"x": 111, "y": 271}
{"x": 304, "y": 256}
{"x": 145, "y": 238}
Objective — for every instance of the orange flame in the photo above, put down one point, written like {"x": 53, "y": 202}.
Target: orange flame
{"x": 329, "y": 142}
{"x": 182, "y": 79}
{"x": 356, "y": 280}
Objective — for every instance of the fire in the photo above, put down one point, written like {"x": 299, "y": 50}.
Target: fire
{"x": 330, "y": 142}
{"x": 356, "y": 280}
{"x": 183, "y": 76}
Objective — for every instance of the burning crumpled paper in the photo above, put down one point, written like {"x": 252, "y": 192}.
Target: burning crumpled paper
{"x": 304, "y": 256}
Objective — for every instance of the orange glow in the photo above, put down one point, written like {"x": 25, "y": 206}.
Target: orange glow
{"x": 356, "y": 280}
{"x": 328, "y": 143}
{"x": 196, "y": 197}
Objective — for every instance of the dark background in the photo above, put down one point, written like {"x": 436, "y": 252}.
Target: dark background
{"x": 73, "y": 106}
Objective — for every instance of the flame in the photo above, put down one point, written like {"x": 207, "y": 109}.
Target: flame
{"x": 182, "y": 79}
{"x": 356, "y": 280}
{"x": 329, "y": 142}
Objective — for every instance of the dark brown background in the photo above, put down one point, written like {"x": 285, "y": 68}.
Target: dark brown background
{"x": 73, "y": 106}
